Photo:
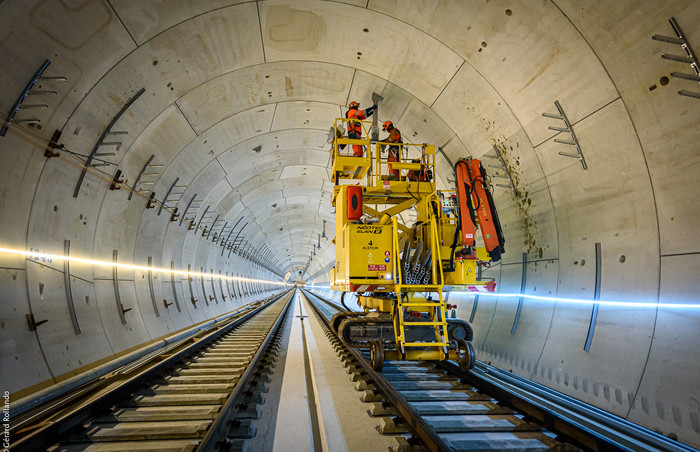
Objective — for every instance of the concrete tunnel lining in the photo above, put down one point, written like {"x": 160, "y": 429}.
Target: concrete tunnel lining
{"x": 461, "y": 75}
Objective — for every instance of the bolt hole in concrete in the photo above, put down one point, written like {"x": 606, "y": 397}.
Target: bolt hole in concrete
{"x": 55, "y": 208}
{"x": 509, "y": 12}
{"x": 652, "y": 87}
{"x": 366, "y": 30}
{"x": 155, "y": 62}
{"x": 663, "y": 81}
{"x": 483, "y": 44}
{"x": 622, "y": 258}
{"x": 583, "y": 262}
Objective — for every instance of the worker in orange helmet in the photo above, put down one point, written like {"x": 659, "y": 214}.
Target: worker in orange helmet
{"x": 394, "y": 137}
{"x": 354, "y": 127}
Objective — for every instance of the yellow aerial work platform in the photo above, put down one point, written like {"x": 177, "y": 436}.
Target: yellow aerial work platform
{"x": 391, "y": 264}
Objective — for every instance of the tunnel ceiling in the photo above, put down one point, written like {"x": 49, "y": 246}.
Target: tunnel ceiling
{"x": 239, "y": 98}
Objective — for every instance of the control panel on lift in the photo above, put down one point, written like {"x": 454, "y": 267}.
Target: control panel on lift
{"x": 448, "y": 202}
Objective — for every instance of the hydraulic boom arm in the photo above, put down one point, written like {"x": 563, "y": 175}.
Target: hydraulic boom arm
{"x": 475, "y": 202}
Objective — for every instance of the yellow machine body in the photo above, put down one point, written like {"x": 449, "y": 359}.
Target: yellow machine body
{"x": 373, "y": 253}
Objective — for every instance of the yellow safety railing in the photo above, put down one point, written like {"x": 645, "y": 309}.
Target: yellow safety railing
{"x": 340, "y": 128}
{"x": 398, "y": 332}
{"x": 415, "y": 162}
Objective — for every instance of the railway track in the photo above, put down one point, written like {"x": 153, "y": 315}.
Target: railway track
{"x": 201, "y": 395}
{"x": 436, "y": 406}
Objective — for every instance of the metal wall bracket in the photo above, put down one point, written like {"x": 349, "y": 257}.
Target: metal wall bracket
{"x": 165, "y": 302}
{"x": 499, "y": 166}
{"x": 50, "y": 150}
{"x": 117, "y": 181}
{"x": 189, "y": 283}
{"x": 237, "y": 286}
{"x": 175, "y": 195}
{"x": 172, "y": 282}
{"x": 194, "y": 205}
{"x": 689, "y": 57}
{"x": 117, "y": 297}
{"x": 69, "y": 289}
{"x": 151, "y": 203}
{"x": 523, "y": 280}
{"x": 211, "y": 280}
{"x": 211, "y": 227}
{"x": 231, "y": 295}
{"x": 19, "y": 103}
{"x": 139, "y": 180}
{"x": 474, "y": 306}
{"x": 596, "y": 297}
{"x": 204, "y": 291}
{"x": 221, "y": 286}
{"x": 225, "y": 243}
{"x": 233, "y": 243}
{"x": 32, "y": 324}
{"x": 568, "y": 129}
{"x": 150, "y": 286}
{"x": 101, "y": 142}
{"x": 206, "y": 210}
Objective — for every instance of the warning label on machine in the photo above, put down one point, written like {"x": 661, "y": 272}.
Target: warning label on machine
{"x": 376, "y": 268}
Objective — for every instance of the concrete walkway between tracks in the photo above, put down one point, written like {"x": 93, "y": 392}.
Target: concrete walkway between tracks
{"x": 307, "y": 364}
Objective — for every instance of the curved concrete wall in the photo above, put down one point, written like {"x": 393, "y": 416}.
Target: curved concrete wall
{"x": 238, "y": 100}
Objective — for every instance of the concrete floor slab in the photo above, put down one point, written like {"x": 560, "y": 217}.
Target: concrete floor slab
{"x": 347, "y": 425}
{"x": 293, "y": 429}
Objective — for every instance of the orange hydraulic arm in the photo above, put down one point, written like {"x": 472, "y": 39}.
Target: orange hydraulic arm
{"x": 467, "y": 223}
{"x": 475, "y": 201}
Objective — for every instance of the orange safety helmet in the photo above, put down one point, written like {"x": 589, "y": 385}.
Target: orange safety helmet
{"x": 353, "y": 104}
{"x": 386, "y": 125}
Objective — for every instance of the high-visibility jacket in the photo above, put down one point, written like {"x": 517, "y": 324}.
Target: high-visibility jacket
{"x": 356, "y": 113}
{"x": 394, "y": 136}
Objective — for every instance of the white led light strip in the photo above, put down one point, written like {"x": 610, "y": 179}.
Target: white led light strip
{"x": 621, "y": 304}
{"x": 35, "y": 255}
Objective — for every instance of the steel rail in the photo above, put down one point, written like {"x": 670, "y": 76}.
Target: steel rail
{"x": 49, "y": 432}
{"x": 587, "y": 426}
{"x": 415, "y": 423}
{"x": 612, "y": 430}
{"x": 215, "y": 437}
